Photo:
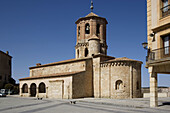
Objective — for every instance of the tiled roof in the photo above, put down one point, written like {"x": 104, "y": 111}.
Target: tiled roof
{"x": 60, "y": 62}
{"x": 52, "y": 75}
{"x": 91, "y": 14}
{"x": 123, "y": 59}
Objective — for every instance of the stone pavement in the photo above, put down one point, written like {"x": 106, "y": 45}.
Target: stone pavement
{"x": 164, "y": 103}
{"x": 16, "y": 104}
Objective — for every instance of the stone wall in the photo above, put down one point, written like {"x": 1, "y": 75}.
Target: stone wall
{"x": 147, "y": 95}
{"x": 61, "y": 87}
{"x": 97, "y": 73}
{"x": 162, "y": 92}
{"x": 83, "y": 82}
{"x": 66, "y": 86}
{"x": 127, "y": 73}
{"x": 56, "y": 69}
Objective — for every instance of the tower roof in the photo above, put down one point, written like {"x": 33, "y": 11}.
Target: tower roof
{"x": 92, "y": 14}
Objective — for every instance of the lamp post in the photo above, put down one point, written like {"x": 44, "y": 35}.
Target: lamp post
{"x": 145, "y": 46}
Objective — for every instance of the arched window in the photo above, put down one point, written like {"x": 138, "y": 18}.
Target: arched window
{"x": 42, "y": 88}
{"x": 25, "y": 88}
{"x": 79, "y": 31}
{"x": 98, "y": 29}
{"x": 87, "y": 28}
{"x": 77, "y": 53}
{"x": 119, "y": 85}
{"x": 86, "y": 52}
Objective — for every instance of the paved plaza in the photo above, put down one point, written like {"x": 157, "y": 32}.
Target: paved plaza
{"x": 15, "y": 104}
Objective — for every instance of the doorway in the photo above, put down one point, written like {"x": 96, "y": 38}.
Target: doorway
{"x": 33, "y": 90}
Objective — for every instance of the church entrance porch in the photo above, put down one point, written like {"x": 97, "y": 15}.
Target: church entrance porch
{"x": 33, "y": 90}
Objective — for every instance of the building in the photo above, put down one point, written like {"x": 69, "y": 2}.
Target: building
{"x": 5, "y": 68}
{"x": 158, "y": 40}
{"x": 91, "y": 74}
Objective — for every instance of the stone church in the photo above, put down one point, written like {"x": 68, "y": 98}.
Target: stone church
{"x": 91, "y": 74}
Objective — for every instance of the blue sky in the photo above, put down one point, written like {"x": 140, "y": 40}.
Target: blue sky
{"x": 44, "y": 31}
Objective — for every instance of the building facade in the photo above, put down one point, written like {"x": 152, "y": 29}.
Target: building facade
{"x": 5, "y": 68}
{"x": 158, "y": 40}
{"x": 91, "y": 74}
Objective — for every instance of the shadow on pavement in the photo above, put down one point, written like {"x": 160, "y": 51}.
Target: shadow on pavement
{"x": 165, "y": 103}
{"x": 15, "y": 107}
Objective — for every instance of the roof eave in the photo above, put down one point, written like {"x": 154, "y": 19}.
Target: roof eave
{"x": 85, "y": 18}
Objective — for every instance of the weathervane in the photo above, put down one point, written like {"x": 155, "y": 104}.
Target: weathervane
{"x": 91, "y": 7}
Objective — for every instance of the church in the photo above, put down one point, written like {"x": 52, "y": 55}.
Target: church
{"x": 92, "y": 73}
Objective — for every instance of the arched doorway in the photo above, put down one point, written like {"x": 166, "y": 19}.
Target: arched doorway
{"x": 33, "y": 90}
{"x": 42, "y": 88}
{"x": 25, "y": 88}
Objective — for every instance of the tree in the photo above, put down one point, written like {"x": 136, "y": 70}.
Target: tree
{"x": 9, "y": 86}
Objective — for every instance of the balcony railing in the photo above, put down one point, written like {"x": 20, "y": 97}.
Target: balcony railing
{"x": 158, "y": 54}
{"x": 165, "y": 11}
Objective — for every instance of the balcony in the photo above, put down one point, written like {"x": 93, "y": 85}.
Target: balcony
{"x": 165, "y": 11}
{"x": 158, "y": 55}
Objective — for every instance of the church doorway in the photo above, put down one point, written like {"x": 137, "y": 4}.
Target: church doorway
{"x": 33, "y": 90}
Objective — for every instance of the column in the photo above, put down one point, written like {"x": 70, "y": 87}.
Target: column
{"x": 82, "y": 30}
{"x": 29, "y": 92}
{"x": 131, "y": 80}
{"x": 20, "y": 91}
{"x": 91, "y": 27}
{"x": 101, "y": 32}
{"x": 46, "y": 92}
{"x": 37, "y": 92}
{"x": 94, "y": 25}
{"x": 153, "y": 88}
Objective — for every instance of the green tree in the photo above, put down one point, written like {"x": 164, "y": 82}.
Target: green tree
{"x": 9, "y": 86}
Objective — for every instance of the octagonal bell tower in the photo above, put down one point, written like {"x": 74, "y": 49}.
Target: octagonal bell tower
{"x": 91, "y": 35}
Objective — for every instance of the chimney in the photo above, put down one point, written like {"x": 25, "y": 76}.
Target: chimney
{"x": 7, "y": 52}
{"x": 38, "y": 64}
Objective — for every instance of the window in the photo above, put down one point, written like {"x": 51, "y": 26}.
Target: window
{"x": 86, "y": 52}
{"x": 166, "y": 42}
{"x": 87, "y": 28}
{"x": 165, "y": 8}
{"x": 25, "y": 88}
{"x": 98, "y": 29}
{"x": 42, "y": 88}
{"x": 79, "y": 31}
{"x": 119, "y": 85}
{"x": 77, "y": 53}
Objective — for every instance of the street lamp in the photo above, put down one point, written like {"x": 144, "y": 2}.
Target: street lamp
{"x": 145, "y": 44}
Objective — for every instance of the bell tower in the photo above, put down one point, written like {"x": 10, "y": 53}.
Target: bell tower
{"x": 91, "y": 35}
